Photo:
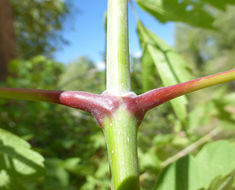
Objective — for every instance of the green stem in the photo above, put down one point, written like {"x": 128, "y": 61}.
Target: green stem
{"x": 121, "y": 137}
{"x": 121, "y": 128}
{"x": 118, "y": 72}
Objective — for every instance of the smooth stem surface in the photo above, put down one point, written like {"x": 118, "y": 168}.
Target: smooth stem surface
{"x": 121, "y": 128}
{"x": 158, "y": 96}
{"x": 121, "y": 137}
{"x": 30, "y": 94}
{"x": 118, "y": 72}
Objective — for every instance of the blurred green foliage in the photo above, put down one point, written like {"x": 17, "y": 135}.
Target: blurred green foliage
{"x": 194, "y": 13}
{"x": 204, "y": 51}
{"x": 70, "y": 141}
{"x": 37, "y": 25}
{"x": 17, "y": 161}
{"x": 82, "y": 69}
{"x": 157, "y": 52}
{"x": 209, "y": 50}
{"x": 210, "y": 171}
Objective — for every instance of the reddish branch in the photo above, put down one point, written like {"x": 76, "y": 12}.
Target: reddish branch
{"x": 105, "y": 104}
{"x": 98, "y": 105}
{"x": 158, "y": 96}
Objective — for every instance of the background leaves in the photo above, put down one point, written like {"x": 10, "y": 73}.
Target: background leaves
{"x": 170, "y": 67}
{"x": 212, "y": 168}
{"x": 194, "y": 13}
{"x": 18, "y": 161}
{"x": 37, "y": 25}
{"x": 180, "y": 11}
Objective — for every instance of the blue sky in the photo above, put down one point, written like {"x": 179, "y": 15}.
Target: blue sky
{"x": 86, "y": 35}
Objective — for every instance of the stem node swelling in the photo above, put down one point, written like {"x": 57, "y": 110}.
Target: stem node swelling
{"x": 106, "y": 104}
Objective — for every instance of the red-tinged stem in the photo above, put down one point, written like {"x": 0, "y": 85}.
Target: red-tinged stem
{"x": 29, "y": 94}
{"x": 153, "y": 98}
{"x": 98, "y": 105}
{"x": 106, "y": 104}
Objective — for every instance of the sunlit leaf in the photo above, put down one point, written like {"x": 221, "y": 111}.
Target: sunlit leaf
{"x": 189, "y": 12}
{"x": 214, "y": 161}
{"x": 17, "y": 159}
{"x": 220, "y": 4}
{"x": 170, "y": 67}
{"x": 148, "y": 72}
{"x": 230, "y": 99}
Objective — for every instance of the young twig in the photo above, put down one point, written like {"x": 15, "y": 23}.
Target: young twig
{"x": 191, "y": 147}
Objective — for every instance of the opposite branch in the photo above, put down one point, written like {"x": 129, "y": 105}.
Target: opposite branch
{"x": 30, "y": 94}
{"x": 98, "y": 105}
{"x": 106, "y": 104}
{"x": 158, "y": 96}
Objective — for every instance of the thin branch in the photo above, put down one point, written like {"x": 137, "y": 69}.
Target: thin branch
{"x": 191, "y": 147}
{"x": 158, "y": 96}
{"x": 30, "y": 94}
{"x": 98, "y": 105}
{"x": 105, "y": 104}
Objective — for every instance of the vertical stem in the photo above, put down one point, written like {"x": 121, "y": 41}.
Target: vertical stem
{"x": 118, "y": 72}
{"x": 121, "y": 137}
{"x": 120, "y": 129}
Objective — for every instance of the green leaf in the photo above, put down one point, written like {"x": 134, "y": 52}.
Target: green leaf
{"x": 229, "y": 99}
{"x": 56, "y": 168}
{"x": 147, "y": 71}
{"x": 148, "y": 160}
{"x": 190, "y": 12}
{"x": 72, "y": 164}
{"x": 220, "y": 4}
{"x": 176, "y": 64}
{"x": 170, "y": 66}
{"x": 17, "y": 159}
{"x": 8, "y": 183}
{"x": 211, "y": 168}
{"x": 222, "y": 183}
{"x": 168, "y": 78}
{"x": 203, "y": 112}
